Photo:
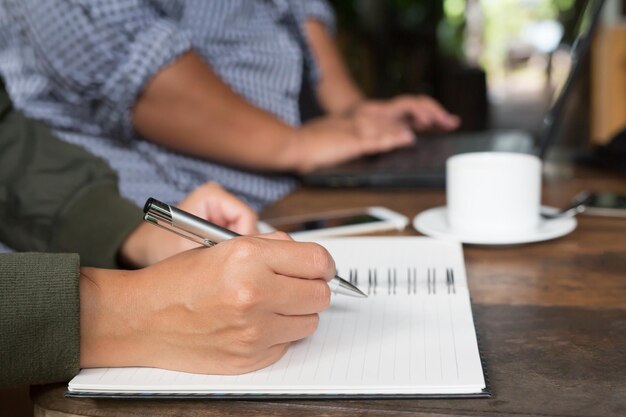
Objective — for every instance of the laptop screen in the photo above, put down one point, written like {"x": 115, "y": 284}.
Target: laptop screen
{"x": 529, "y": 53}
{"x": 561, "y": 43}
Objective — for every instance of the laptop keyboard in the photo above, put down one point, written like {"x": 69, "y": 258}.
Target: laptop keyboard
{"x": 431, "y": 152}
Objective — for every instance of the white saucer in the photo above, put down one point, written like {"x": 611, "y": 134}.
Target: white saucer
{"x": 434, "y": 223}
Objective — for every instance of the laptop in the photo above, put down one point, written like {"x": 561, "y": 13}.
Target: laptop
{"x": 424, "y": 164}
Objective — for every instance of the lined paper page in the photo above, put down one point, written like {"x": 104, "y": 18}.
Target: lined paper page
{"x": 414, "y": 334}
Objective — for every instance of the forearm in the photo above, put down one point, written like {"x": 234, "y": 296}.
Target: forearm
{"x": 188, "y": 108}
{"x": 336, "y": 92}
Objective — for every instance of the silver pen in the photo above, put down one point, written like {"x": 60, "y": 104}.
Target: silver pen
{"x": 209, "y": 234}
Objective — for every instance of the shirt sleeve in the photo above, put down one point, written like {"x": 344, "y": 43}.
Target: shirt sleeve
{"x": 100, "y": 53}
{"x": 316, "y": 9}
{"x": 39, "y": 318}
{"x": 57, "y": 197}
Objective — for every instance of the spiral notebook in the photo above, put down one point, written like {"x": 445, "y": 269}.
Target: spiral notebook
{"x": 413, "y": 336}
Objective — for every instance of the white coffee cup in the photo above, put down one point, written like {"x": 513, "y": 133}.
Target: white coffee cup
{"x": 493, "y": 193}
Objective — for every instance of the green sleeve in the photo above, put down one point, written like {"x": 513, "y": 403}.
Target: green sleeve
{"x": 57, "y": 197}
{"x": 39, "y": 318}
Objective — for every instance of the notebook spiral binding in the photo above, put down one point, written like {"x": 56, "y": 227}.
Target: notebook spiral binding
{"x": 411, "y": 281}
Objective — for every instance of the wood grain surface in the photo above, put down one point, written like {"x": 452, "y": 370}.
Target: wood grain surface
{"x": 551, "y": 318}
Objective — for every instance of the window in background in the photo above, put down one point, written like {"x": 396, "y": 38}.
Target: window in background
{"x": 496, "y": 63}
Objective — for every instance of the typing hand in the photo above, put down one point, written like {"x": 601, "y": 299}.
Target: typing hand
{"x": 421, "y": 113}
{"x": 147, "y": 244}
{"x": 334, "y": 139}
{"x": 230, "y": 309}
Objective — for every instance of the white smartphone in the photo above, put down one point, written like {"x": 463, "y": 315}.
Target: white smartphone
{"x": 606, "y": 204}
{"x": 337, "y": 223}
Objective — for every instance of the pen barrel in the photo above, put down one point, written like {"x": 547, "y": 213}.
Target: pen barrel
{"x": 200, "y": 227}
{"x": 339, "y": 285}
{"x": 206, "y": 233}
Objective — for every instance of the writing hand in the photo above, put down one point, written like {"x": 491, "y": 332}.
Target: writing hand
{"x": 230, "y": 309}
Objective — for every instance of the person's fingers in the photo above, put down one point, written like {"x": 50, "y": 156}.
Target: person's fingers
{"x": 246, "y": 225}
{"x": 426, "y": 112}
{"x": 339, "y": 139}
{"x": 441, "y": 116}
{"x": 259, "y": 360}
{"x": 295, "y": 297}
{"x": 396, "y": 135}
{"x": 204, "y": 202}
{"x": 216, "y": 214}
{"x": 241, "y": 218}
{"x": 417, "y": 109}
{"x": 212, "y": 202}
{"x": 285, "y": 329}
{"x": 413, "y": 110}
{"x": 271, "y": 355}
{"x": 390, "y": 134}
{"x": 379, "y": 126}
{"x": 294, "y": 259}
{"x": 367, "y": 128}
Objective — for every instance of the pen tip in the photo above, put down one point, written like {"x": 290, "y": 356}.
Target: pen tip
{"x": 360, "y": 294}
{"x": 350, "y": 289}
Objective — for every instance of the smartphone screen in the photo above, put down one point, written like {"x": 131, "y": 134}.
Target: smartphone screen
{"x": 607, "y": 201}
{"x": 308, "y": 224}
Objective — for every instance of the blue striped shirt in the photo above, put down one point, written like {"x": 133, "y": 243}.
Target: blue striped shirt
{"x": 80, "y": 65}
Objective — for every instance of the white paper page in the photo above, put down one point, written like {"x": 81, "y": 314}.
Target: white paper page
{"x": 414, "y": 334}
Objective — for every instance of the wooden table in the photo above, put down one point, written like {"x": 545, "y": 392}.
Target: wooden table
{"x": 551, "y": 317}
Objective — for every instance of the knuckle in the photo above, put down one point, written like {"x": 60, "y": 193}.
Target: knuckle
{"x": 250, "y": 336}
{"x": 322, "y": 260}
{"x": 244, "y": 249}
{"x": 419, "y": 102}
{"x": 404, "y": 99}
{"x": 246, "y": 297}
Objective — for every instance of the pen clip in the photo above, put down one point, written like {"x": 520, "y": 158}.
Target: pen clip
{"x": 165, "y": 224}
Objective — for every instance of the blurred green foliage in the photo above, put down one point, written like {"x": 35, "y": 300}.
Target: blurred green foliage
{"x": 506, "y": 19}
{"x": 365, "y": 25}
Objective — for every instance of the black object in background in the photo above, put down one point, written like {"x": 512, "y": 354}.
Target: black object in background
{"x": 613, "y": 154}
